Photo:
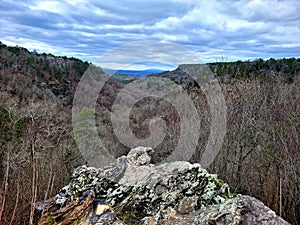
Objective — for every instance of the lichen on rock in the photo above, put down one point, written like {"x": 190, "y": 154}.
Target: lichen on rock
{"x": 134, "y": 191}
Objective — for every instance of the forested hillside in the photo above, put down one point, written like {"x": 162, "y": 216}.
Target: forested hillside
{"x": 38, "y": 152}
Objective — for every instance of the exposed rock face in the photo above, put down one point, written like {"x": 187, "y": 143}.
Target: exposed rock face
{"x": 133, "y": 191}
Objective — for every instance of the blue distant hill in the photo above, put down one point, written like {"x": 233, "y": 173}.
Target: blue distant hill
{"x": 136, "y": 73}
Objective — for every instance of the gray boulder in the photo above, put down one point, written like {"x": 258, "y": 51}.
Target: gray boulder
{"x": 134, "y": 191}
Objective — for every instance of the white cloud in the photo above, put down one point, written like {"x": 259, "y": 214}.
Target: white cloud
{"x": 75, "y": 2}
{"x": 50, "y": 6}
{"x": 31, "y": 44}
{"x": 270, "y": 10}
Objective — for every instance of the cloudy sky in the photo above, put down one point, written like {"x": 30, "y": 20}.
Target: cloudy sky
{"x": 215, "y": 30}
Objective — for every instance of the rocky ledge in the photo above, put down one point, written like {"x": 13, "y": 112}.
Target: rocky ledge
{"x": 134, "y": 191}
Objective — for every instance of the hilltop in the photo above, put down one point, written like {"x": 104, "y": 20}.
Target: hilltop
{"x": 21, "y": 69}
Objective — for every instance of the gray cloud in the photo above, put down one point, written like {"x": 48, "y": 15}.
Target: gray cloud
{"x": 214, "y": 29}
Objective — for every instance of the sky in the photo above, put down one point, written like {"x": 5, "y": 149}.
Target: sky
{"x": 214, "y": 30}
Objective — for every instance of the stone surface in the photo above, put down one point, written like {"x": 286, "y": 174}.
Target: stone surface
{"x": 134, "y": 191}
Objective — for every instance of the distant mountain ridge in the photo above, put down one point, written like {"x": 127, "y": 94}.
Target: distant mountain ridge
{"x": 137, "y": 73}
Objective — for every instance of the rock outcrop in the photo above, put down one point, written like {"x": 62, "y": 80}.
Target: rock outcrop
{"x": 134, "y": 191}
